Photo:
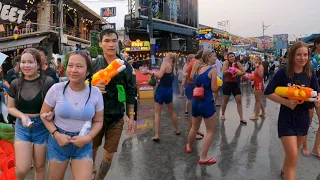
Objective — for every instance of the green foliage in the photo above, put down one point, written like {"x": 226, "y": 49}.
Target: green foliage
{"x": 93, "y": 50}
{"x": 65, "y": 62}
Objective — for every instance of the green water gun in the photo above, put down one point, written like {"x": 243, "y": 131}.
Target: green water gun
{"x": 121, "y": 94}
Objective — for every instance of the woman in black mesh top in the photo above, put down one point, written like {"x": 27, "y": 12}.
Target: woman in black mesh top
{"x": 26, "y": 95}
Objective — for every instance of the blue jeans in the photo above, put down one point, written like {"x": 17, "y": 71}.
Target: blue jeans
{"x": 67, "y": 152}
{"x": 37, "y": 134}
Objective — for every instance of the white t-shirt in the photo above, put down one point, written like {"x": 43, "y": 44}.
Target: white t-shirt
{"x": 219, "y": 67}
{"x": 71, "y": 108}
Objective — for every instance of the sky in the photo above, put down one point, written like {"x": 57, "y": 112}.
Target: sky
{"x": 298, "y": 18}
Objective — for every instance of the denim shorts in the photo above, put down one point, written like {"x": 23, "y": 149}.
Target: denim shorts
{"x": 67, "y": 152}
{"x": 37, "y": 134}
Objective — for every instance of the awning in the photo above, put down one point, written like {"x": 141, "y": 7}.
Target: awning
{"x": 21, "y": 43}
{"x": 310, "y": 38}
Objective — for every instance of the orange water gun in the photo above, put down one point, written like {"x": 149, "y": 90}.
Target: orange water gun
{"x": 297, "y": 92}
{"x": 105, "y": 75}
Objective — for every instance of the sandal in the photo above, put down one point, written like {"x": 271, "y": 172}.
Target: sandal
{"x": 177, "y": 133}
{"x": 263, "y": 116}
{"x": 254, "y": 118}
{"x": 156, "y": 139}
{"x": 243, "y": 122}
{"x": 305, "y": 153}
{"x": 188, "y": 150}
{"x": 208, "y": 162}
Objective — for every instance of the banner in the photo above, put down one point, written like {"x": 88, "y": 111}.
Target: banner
{"x": 280, "y": 41}
{"x": 108, "y": 12}
{"x": 178, "y": 11}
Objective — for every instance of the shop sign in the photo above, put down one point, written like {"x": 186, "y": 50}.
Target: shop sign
{"x": 11, "y": 13}
{"x": 108, "y": 12}
{"x": 132, "y": 46}
{"x": 205, "y": 31}
{"x": 19, "y": 47}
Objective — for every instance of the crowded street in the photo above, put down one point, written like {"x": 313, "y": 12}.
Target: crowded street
{"x": 243, "y": 152}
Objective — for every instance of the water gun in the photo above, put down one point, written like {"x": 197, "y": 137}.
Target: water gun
{"x": 234, "y": 71}
{"x": 249, "y": 76}
{"x": 219, "y": 82}
{"x": 297, "y": 92}
{"x": 105, "y": 75}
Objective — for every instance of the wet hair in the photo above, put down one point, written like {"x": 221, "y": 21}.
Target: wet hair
{"x": 291, "y": 56}
{"x": 36, "y": 55}
{"x": 108, "y": 32}
{"x": 205, "y": 56}
{"x": 88, "y": 60}
{"x": 190, "y": 57}
{"x": 174, "y": 60}
{"x": 42, "y": 49}
{"x": 16, "y": 60}
{"x": 199, "y": 54}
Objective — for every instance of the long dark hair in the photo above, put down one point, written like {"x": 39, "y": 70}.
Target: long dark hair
{"x": 235, "y": 59}
{"x": 88, "y": 60}
{"x": 291, "y": 56}
{"x": 36, "y": 55}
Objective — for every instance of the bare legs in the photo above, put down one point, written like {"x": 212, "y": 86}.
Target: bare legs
{"x": 258, "y": 105}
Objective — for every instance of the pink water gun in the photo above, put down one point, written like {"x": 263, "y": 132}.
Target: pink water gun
{"x": 248, "y": 76}
{"x": 234, "y": 71}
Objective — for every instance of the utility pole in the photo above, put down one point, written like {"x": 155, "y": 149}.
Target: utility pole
{"x": 150, "y": 31}
{"x": 60, "y": 16}
{"x": 264, "y": 27}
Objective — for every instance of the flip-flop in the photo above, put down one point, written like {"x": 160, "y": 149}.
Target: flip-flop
{"x": 223, "y": 118}
{"x": 201, "y": 134}
{"x": 316, "y": 155}
{"x": 208, "y": 162}
{"x": 186, "y": 114}
{"x": 156, "y": 139}
{"x": 263, "y": 116}
{"x": 243, "y": 122}
{"x": 254, "y": 118}
{"x": 305, "y": 153}
{"x": 94, "y": 173}
{"x": 282, "y": 174}
{"x": 188, "y": 150}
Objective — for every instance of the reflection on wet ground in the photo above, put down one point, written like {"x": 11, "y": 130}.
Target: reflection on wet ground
{"x": 251, "y": 152}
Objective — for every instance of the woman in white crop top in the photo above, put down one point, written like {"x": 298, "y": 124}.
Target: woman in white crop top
{"x": 76, "y": 105}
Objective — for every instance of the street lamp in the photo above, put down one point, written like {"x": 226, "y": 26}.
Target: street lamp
{"x": 264, "y": 27}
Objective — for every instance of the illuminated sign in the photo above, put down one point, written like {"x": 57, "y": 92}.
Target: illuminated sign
{"x": 132, "y": 46}
{"x": 108, "y": 12}
{"x": 205, "y": 31}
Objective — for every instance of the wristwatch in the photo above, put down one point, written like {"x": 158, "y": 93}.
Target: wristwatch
{"x": 52, "y": 134}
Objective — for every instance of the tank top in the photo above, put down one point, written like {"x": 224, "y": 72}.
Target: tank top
{"x": 204, "y": 80}
{"x": 228, "y": 76}
{"x": 167, "y": 79}
{"x": 257, "y": 79}
{"x": 189, "y": 69}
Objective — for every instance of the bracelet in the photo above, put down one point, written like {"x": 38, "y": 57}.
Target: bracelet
{"x": 131, "y": 113}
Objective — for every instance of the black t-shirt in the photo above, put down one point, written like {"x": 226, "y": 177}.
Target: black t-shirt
{"x": 52, "y": 73}
{"x": 30, "y": 98}
{"x": 11, "y": 75}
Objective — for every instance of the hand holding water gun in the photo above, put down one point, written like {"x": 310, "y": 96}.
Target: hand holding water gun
{"x": 105, "y": 75}
{"x": 297, "y": 92}
{"x": 234, "y": 71}
{"x": 219, "y": 81}
{"x": 249, "y": 76}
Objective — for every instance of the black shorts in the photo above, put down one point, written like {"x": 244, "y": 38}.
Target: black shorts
{"x": 231, "y": 88}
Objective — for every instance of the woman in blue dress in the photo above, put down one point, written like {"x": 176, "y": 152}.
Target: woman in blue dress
{"x": 206, "y": 76}
{"x": 293, "y": 120}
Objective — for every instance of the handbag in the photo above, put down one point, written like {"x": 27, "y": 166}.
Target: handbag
{"x": 198, "y": 91}
{"x": 152, "y": 81}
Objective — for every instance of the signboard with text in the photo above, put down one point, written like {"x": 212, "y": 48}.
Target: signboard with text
{"x": 109, "y": 26}
{"x": 11, "y": 13}
{"x": 108, "y": 12}
{"x": 135, "y": 46}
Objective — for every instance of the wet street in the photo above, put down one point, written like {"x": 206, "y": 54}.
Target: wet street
{"x": 251, "y": 152}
